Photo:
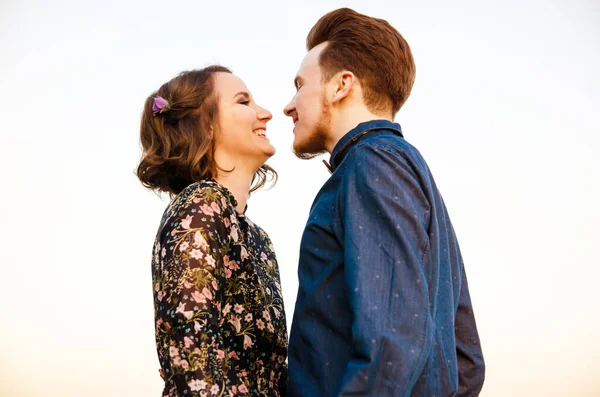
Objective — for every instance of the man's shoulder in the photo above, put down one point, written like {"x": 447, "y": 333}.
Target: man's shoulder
{"x": 391, "y": 142}
{"x": 386, "y": 145}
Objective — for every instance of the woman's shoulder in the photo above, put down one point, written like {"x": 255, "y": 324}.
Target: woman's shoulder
{"x": 206, "y": 193}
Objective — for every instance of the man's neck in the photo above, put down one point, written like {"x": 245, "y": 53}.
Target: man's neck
{"x": 344, "y": 121}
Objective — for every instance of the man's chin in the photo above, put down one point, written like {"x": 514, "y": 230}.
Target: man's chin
{"x": 305, "y": 152}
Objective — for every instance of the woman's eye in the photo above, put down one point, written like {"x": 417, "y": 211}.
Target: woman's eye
{"x": 245, "y": 102}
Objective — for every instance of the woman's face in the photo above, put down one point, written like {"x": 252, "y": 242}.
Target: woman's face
{"x": 242, "y": 134}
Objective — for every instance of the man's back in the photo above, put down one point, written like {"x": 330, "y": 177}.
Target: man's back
{"x": 383, "y": 307}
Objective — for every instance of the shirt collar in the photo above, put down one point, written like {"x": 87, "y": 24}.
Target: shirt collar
{"x": 338, "y": 153}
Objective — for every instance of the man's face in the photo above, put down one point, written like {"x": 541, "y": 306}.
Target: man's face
{"x": 309, "y": 108}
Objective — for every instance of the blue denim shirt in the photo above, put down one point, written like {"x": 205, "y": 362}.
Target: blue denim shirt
{"x": 383, "y": 305}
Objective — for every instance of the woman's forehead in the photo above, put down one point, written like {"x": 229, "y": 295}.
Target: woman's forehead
{"x": 229, "y": 84}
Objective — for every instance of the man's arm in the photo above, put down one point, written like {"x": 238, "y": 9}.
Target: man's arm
{"x": 383, "y": 218}
{"x": 471, "y": 367}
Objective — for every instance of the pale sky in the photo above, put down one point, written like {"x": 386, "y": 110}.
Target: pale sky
{"x": 504, "y": 109}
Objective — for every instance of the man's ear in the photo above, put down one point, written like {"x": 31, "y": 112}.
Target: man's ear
{"x": 344, "y": 83}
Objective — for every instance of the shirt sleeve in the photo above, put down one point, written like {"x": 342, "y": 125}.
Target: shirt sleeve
{"x": 190, "y": 304}
{"x": 383, "y": 215}
{"x": 471, "y": 366}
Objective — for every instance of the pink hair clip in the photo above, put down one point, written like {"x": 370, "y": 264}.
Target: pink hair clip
{"x": 160, "y": 105}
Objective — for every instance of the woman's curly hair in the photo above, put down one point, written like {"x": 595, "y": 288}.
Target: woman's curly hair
{"x": 178, "y": 142}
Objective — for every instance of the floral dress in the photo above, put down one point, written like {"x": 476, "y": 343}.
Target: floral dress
{"x": 220, "y": 322}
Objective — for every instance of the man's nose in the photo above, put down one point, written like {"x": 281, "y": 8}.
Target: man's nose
{"x": 289, "y": 108}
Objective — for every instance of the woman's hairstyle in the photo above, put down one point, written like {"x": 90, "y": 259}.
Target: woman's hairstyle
{"x": 177, "y": 134}
{"x": 371, "y": 49}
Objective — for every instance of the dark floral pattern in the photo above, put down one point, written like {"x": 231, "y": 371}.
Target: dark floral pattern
{"x": 220, "y": 322}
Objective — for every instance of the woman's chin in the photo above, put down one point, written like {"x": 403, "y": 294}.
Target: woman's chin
{"x": 269, "y": 150}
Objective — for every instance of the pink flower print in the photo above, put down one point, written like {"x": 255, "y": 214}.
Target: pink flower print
{"x": 210, "y": 260}
{"x": 196, "y": 254}
{"x": 234, "y": 355}
{"x": 226, "y": 222}
{"x": 226, "y": 309}
{"x": 214, "y": 389}
{"x": 270, "y": 328}
{"x": 163, "y": 252}
{"x": 156, "y": 287}
{"x": 185, "y": 245}
{"x": 266, "y": 315}
{"x": 233, "y": 265}
{"x": 173, "y": 351}
{"x": 177, "y": 361}
{"x": 180, "y": 308}
{"x": 207, "y": 210}
{"x": 227, "y": 273}
{"x": 247, "y": 342}
{"x": 197, "y": 385}
{"x": 223, "y": 202}
{"x": 215, "y": 207}
{"x": 236, "y": 323}
{"x": 187, "y": 342}
{"x": 263, "y": 256}
{"x": 215, "y": 285}
{"x": 173, "y": 232}
{"x": 199, "y": 240}
{"x": 233, "y": 389}
{"x": 184, "y": 364}
{"x": 220, "y": 354}
{"x": 207, "y": 293}
{"x": 260, "y": 324}
{"x": 198, "y": 297}
{"x": 238, "y": 308}
{"x": 277, "y": 314}
{"x": 234, "y": 234}
{"x": 197, "y": 327}
{"x": 244, "y": 254}
{"x": 242, "y": 388}
{"x": 248, "y": 317}
{"x": 161, "y": 295}
{"x": 187, "y": 221}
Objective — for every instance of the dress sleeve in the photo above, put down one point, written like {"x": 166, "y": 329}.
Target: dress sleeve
{"x": 189, "y": 297}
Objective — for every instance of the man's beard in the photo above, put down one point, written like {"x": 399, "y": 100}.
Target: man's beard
{"x": 315, "y": 144}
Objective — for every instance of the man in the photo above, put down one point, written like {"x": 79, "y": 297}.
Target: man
{"x": 383, "y": 306}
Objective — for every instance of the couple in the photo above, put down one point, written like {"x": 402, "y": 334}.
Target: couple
{"x": 383, "y": 306}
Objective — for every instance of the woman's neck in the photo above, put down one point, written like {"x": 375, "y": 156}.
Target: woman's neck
{"x": 238, "y": 183}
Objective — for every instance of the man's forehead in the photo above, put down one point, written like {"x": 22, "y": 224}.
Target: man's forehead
{"x": 310, "y": 63}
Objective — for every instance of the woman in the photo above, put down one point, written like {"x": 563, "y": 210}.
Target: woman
{"x": 220, "y": 323}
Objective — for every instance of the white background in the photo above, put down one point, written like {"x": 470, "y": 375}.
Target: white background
{"x": 504, "y": 109}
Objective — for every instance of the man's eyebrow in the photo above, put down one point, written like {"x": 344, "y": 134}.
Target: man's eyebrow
{"x": 297, "y": 81}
